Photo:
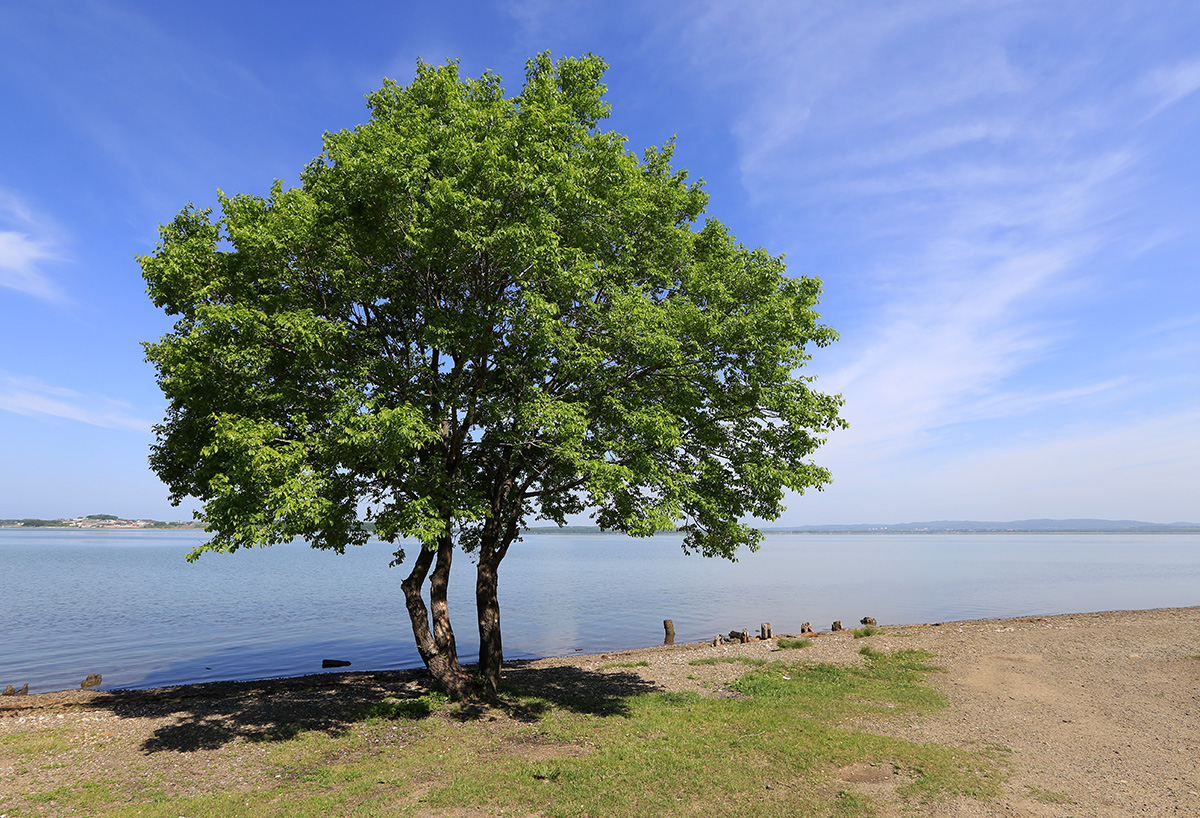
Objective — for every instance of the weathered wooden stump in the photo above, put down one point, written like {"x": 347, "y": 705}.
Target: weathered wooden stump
{"x": 764, "y": 631}
{"x": 745, "y": 636}
{"x": 837, "y": 626}
{"x": 92, "y": 680}
{"x": 669, "y": 627}
{"x": 806, "y": 628}
{"x": 868, "y": 620}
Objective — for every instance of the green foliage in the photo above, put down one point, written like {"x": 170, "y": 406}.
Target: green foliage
{"x": 869, "y": 630}
{"x": 472, "y": 289}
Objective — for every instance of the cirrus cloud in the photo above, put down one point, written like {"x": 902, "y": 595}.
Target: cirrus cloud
{"x": 27, "y": 243}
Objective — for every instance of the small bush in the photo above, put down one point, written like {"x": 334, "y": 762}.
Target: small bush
{"x": 869, "y": 630}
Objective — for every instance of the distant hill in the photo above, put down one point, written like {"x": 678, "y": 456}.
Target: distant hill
{"x": 566, "y": 529}
{"x": 946, "y": 526}
{"x": 1032, "y": 526}
{"x": 97, "y": 521}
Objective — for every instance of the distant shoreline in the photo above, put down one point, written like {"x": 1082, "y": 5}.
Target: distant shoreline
{"x": 101, "y": 522}
{"x": 1079, "y": 526}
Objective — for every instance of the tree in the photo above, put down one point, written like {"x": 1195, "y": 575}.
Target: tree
{"x": 475, "y": 311}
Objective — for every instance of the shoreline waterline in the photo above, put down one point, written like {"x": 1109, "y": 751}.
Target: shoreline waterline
{"x": 421, "y": 674}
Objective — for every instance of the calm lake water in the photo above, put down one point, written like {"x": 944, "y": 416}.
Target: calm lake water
{"x": 126, "y": 603}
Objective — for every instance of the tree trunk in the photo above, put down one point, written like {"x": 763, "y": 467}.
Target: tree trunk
{"x": 439, "y": 581}
{"x": 487, "y": 604}
{"x": 438, "y": 654}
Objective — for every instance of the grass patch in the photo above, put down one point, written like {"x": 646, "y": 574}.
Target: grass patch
{"x": 392, "y": 709}
{"x": 749, "y": 661}
{"x": 85, "y": 796}
{"x": 661, "y": 753}
{"x": 849, "y": 804}
{"x": 792, "y": 644}
{"x": 643, "y": 663}
{"x": 1047, "y": 796}
{"x": 869, "y": 630}
{"x": 50, "y": 742}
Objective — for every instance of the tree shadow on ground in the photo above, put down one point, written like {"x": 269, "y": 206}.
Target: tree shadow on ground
{"x": 211, "y": 715}
{"x": 572, "y": 688}
{"x": 208, "y": 716}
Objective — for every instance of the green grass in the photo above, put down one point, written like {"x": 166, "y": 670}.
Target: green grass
{"x": 1047, "y": 796}
{"x": 749, "y": 661}
{"x": 774, "y": 751}
{"x": 28, "y": 744}
{"x": 789, "y": 644}
{"x": 869, "y": 630}
{"x": 625, "y": 664}
{"x": 391, "y": 709}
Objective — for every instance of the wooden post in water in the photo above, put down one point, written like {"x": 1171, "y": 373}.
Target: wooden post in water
{"x": 669, "y": 627}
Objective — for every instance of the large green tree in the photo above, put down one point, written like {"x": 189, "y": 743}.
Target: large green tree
{"x": 475, "y": 311}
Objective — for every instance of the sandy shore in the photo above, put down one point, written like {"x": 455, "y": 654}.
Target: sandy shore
{"x": 1089, "y": 714}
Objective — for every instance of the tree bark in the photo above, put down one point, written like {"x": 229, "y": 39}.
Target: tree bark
{"x": 442, "y": 663}
{"x": 439, "y": 581}
{"x": 487, "y": 604}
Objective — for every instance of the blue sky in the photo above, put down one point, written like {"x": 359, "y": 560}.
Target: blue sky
{"x": 1002, "y": 199}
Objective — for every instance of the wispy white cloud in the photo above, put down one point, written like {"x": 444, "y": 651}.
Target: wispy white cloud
{"x": 27, "y": 244}
{"x": 1168, "y": 85}
{"x": 1150, "y": 462}
{"x": 35, "y": 398}
{"x": 1144, "y": 467}
{"x": 974, "y": 188}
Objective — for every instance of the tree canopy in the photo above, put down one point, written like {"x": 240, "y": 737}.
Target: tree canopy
{"x": 475, "y": 311}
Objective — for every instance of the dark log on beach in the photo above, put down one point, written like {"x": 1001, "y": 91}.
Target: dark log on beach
{"x": 334, "y": 663}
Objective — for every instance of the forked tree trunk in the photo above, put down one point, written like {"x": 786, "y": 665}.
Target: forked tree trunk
{"x": 436, "y": 646}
